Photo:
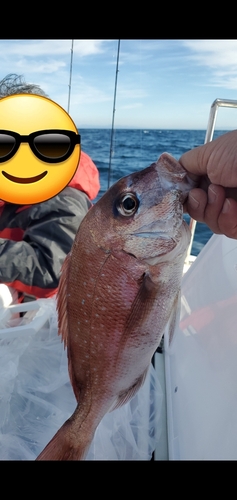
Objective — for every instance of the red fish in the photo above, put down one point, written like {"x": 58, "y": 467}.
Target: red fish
{"x": 118, "y": 289}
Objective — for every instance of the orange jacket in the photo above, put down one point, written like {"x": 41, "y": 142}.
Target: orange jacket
{"x": 86, "y": 177}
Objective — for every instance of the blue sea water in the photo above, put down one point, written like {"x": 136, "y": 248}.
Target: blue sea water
{"x": 136, "y": 149}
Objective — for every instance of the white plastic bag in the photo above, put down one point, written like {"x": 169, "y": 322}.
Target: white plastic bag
{"x": 36, "y": 398}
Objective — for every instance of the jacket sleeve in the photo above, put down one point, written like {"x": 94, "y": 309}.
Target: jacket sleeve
{"x": 33, "y": 265}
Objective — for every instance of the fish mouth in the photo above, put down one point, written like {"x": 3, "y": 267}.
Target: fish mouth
{"x": 24, "y": 180}
{"x": 160, "y": 229}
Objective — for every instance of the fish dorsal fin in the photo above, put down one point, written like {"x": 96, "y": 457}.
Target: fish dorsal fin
{"x": 62, "y": 301}
{"x": 125, "y": 397}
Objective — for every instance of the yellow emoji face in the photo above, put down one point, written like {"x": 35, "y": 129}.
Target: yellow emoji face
{"x": 39, "y": 149}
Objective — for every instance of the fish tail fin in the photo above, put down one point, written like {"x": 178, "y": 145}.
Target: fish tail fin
{"x": 67, "y": 444}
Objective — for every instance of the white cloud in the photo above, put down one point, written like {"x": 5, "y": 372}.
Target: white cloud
{"x": 35, "y": 48}
{"x": 23, "y": 65}
{"x": 214, "y": 53}
{"x": 89, "y": 47}
{"x": 90, "y": 94}
{"x": 219, "y": 56}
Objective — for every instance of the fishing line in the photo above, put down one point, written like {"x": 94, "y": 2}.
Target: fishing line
{"x": 70, "y": 79}
{"x": 112, "y": 128}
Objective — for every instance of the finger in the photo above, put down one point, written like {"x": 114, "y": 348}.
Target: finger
{"x": 218, "y": 212}
{"x": 215, "y": 201}
{"x": 227, "y": 220}
{"x": 216, "y": 159}
{"x": 196, "y": 204}
{"x": 206, "y": 207}
{"x": 193, "y": 162}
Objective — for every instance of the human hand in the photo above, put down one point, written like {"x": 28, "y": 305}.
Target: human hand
{"x": 214, "y": 167}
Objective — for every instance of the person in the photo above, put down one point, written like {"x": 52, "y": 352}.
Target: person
{"x": 35, "y": 239}
{"x": 214, "y": 167}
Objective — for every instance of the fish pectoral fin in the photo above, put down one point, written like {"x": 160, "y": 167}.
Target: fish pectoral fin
{"x": 143, "y": 304}
{"x": 126, "y": 396}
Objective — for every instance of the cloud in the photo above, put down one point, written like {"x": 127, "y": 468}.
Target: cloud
{"x": 91, "y": 95}
{"x": 36, "y": 48}
{"x": 214, "y": 53}
{"x": 219, "y": 56}
{"x": 23, "y": 65}
{"x": 44, "y": 57}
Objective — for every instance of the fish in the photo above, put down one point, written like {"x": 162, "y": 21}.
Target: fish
{"x": 118, "y": 289}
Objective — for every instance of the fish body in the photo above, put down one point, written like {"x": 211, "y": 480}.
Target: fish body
{"x": 118, "y": 290}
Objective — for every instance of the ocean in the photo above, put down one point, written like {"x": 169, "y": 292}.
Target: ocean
{"x": 136, "y": 149}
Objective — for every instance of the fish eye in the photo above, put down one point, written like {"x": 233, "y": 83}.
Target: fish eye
{"x": 128, "y": 204}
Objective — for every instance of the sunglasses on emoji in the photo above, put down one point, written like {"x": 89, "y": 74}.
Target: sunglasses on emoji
{"x": 51, "y": 146}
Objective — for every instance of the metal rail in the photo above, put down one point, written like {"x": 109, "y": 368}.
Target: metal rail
{"x": 218, "y": 103}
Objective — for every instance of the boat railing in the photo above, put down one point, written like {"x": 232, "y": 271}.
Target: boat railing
{"x": 218, "y": 103}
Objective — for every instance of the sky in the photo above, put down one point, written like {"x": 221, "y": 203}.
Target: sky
{"x": 161, "y": 84}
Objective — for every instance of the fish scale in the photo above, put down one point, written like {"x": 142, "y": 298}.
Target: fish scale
{"x": 118, "y": 290}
